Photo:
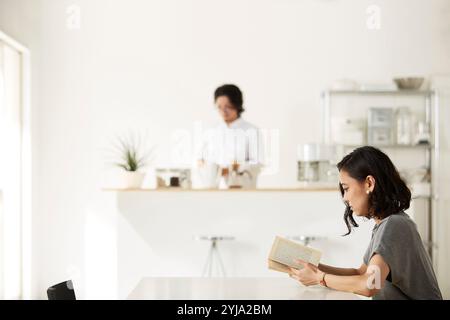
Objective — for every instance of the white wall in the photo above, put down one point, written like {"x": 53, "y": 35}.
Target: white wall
{"x": 153, "y": 65}
{"x": 442, "y": 218}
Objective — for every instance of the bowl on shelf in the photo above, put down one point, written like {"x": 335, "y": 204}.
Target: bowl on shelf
{"x": 409, "y": 83}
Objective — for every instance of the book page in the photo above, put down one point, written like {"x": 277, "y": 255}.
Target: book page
{"x": 278, "y": 266}
{"x": 284, "y": 251}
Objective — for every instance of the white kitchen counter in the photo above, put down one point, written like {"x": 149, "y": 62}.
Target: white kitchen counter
{"x": 239, "y": 288}
{"x": 158, "y": 232}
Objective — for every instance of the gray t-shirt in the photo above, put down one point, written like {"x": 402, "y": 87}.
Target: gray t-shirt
{"x": 411, "y": 274}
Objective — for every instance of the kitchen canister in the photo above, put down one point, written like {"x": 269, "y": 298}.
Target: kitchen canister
{"x": 403, "y": 126}
{"x": 380, "y": 126}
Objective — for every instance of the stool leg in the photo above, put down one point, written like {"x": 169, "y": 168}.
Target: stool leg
{"x": 213, "y": 251}
{"x": 221, "y": 265}
{"x": 207, "y": 265}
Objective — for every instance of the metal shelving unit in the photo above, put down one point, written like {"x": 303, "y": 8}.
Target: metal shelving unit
{"x": 431, "y": 105}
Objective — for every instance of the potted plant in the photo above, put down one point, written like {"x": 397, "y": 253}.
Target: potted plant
{"x": 131, "y": 160}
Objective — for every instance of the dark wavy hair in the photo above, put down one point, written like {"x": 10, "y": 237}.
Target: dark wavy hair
{"x": 234, "y": 94}
{"x": 390, "y": 195}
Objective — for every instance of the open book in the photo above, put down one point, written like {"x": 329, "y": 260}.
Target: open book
{"x": 284, "y": 252}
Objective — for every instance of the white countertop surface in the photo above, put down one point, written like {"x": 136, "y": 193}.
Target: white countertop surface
{"x": 173, "y": 288}
{"x": 313, "y": 188}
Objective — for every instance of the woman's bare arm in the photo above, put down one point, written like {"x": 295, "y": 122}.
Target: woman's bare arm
{"x": 367, "y": 283}
{"x": 343, "y": 271}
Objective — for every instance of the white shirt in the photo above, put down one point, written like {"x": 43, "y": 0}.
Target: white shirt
{"x": 239, "y": 141}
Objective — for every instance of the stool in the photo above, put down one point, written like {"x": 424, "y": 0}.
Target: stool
{"x": 213, "y": 257}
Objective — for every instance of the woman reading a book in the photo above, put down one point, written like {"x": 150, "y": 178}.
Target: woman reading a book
{"x": 396, "y": 264}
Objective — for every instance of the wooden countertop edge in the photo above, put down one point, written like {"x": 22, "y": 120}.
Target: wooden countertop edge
{"x": 175, "y": 189}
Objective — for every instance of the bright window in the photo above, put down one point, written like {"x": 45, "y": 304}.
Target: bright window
{"x": 10, "y": 173}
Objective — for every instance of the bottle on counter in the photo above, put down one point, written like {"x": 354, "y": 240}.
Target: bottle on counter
{"x": 223, "y": 180}
{"x": 235, "y": 177}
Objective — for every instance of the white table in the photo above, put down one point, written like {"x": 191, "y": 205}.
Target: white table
{"x": 232, "y": 288}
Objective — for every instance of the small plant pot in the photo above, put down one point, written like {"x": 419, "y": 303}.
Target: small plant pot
{"x": 132, "y": 179}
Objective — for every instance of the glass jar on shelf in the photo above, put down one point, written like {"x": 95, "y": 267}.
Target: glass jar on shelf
{"x": 403, "y": 126}
{"x": 422, "y": 135}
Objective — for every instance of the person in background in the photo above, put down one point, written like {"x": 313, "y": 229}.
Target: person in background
{"x": 396, "y": 264}
{"x": 234, "y": 144}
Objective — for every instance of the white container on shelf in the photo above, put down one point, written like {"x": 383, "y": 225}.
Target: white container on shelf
{"x": 380, "y": 136}
{"x": 380, "y": 117}
{"x": 348, "y": 131}
{"x": 422, "y": 136}
{"x": 315, "y": 152}
{"x": 316, "y": 162}
{"x": 403, "y": 119}
{"x": 379, "y": 126}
